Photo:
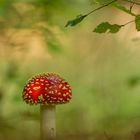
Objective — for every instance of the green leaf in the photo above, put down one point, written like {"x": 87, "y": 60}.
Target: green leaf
{"x": 137, "y": 22}
{"x": 75, "y": 21}
{"x": 115, "y": 28}
{"x": 107, "y": 27}
{"x": 102, "y": 28}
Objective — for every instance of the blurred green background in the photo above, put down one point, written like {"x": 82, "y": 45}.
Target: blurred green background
{"x": 103, "y": 70}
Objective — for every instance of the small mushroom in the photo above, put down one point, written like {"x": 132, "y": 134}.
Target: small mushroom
{"x": 48, "y": 90}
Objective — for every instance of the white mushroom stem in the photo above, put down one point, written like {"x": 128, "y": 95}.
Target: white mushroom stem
{"x": 47, "y": 124}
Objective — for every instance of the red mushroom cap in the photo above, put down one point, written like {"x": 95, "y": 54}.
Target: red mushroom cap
{"x": 47, "y": 88}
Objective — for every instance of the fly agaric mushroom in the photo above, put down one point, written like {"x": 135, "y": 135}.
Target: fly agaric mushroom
{"x": 48, "y": 90}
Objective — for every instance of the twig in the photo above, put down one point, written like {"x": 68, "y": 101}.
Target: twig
{"x": 128, "y": 22}
{"x": 131, "y": 6}
{"x": 130, "y": 1}
{"x": 133, "y": 2}
{"x": 100, "y": 7}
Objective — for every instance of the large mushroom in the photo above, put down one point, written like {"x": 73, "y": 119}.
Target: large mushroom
{"x": 48, "y": 90}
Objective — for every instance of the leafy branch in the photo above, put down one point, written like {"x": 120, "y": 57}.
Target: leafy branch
{"x": 79, "y": 18}
{"x": 106, "y": 26}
